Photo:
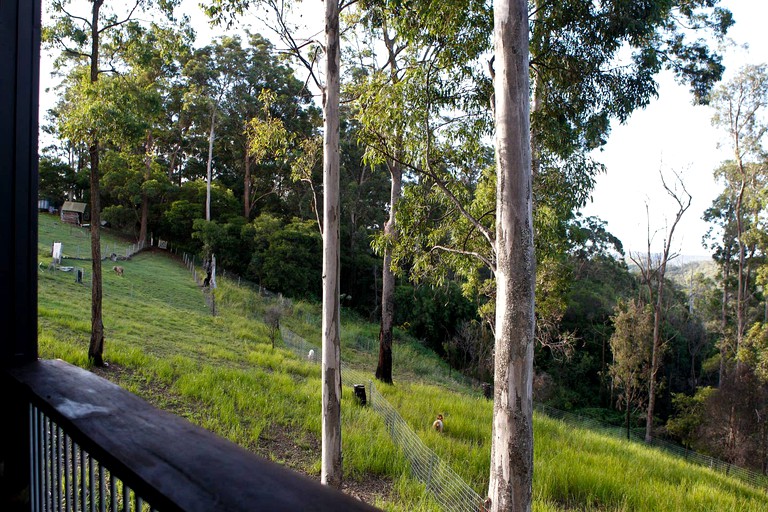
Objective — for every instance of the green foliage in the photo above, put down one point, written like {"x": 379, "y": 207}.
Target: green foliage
{"x": 432, "y": 313}
{"x": 689, "y": 417}
{"x": 631, "y": 344}
{"x": 189, "y": 204}
{"x": 754, "y": 350}
{"x": 286, "y": 257}
{"x": 266, "y": 136}
{"x": 221, "y": 373}
{"x": 57, "y": 179}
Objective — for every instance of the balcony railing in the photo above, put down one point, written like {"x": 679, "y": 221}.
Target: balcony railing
{"x": 94, "y": 446}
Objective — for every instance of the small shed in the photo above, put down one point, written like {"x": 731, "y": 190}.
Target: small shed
{"x": 73, "y": 212}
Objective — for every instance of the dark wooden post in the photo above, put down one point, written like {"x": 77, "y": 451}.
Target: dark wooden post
{"x": 19, "y": 82}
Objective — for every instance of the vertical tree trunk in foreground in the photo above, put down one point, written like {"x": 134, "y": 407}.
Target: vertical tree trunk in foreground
{"x": 209, "y": 169}
{"x": 96, "y": 346}
{"x": 384, "y": 368}
{"x": 511, "y": 476}
{"x": 331, "y": 470}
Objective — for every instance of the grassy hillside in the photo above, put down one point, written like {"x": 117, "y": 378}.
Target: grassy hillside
{"x": 222, "y": 373}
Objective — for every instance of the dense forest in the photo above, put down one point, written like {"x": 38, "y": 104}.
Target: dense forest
{"x": 218, "y": 148}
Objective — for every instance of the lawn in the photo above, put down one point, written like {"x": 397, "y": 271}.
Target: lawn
{"x": 221, "y": 372}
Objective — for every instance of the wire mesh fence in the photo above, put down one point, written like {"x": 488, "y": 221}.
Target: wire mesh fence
{"x": 435, "y": 474}
{"x": 210, "y": 299}
{"x": 447, "y": 488}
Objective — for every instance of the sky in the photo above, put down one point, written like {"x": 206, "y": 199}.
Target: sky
{"x": 670, "y": 135}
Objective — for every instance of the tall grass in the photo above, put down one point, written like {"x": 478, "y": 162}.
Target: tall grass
{"x": 221, "y": 372}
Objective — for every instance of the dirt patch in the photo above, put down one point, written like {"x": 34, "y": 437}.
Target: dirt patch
{"x": 293, "y": 449}
{"x": 369, "y": 489}
{"x": 280, "y": 444}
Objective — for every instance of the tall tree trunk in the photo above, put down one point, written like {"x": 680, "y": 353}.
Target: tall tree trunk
{"x": 724, "y": 314}
{"x": 740, "y": 292}
{"x": 96, "y": 346}
{"x": 247, "y": 186}
{"x": 210, "y": 166}
{"x": 627, "y": 411}
{"x": 511, "y": 475}
{"x": 384, "y": 368}
{"x": 683, "y": 202}
{"x": 144, "y": 196}
{"x": 331, "y": 470}
{"x": 655, "y": 363}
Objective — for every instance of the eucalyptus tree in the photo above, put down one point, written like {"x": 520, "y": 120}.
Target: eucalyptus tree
{"x": 256, "y": 66}
{"x": 153, "y": 57}
{"x": 369, "y": 115}
{"x": 511, "y": 474}
{"x": 79, "y": 33}
{"x": 210, "y": 78}
{"x": 741, "y": 110}
{"x": 331, "y": 463}
{"x": 720, "y": 239}
{"x": 396, "y": 96}
{"x": 653, "y": 269}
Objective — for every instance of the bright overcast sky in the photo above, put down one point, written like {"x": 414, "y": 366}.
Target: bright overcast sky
{"x": 670, "y": 135}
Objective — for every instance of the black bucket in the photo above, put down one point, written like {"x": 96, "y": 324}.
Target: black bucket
{"x": 360, "y": 393}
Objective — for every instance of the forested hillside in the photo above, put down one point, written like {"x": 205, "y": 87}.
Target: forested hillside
{"x": 222, "y": 372}
{"x": 403, "y": 176}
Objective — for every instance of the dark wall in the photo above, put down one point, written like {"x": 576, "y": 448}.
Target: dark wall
{"x": 19, "y": 83}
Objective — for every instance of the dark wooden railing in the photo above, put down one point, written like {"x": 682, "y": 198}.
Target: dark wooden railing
{"x": 94, "y": 446}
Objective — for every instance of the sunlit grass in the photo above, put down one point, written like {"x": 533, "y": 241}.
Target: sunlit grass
{"x": 223, "y": 374}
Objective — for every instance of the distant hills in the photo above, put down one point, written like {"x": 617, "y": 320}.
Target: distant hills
{"x": 682, "y": 268}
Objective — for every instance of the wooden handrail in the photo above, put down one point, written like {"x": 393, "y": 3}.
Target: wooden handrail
{"x": 172, "y": 463}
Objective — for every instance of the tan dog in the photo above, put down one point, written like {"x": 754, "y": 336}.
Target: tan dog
{"x": 438, "y": 424}
{"x": 118, "y": 270}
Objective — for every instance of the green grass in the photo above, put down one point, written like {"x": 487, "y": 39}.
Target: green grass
{"x": 76, "y": 240}
{"x": 221, "y": 372}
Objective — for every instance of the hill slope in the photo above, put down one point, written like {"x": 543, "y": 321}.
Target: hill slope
{"x": 221, "y": 372}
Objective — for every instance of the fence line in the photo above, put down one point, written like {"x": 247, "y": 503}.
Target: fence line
{"x": 446, "y": 486}
{"x": 210, "y": 300}
{"x": 302, "y": 347}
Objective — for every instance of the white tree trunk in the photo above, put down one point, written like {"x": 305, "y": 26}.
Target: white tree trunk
{"x": 510, "y": 487}
{"x": 331, "y": 470}
{"x": 210, "y": 167}
{"x": 384, "y": 368}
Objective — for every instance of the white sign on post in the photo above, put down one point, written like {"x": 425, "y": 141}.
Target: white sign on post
{"x": 56, "y": 253}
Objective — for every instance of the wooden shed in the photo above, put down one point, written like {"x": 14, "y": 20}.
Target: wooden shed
{"x": 73, "y": 212}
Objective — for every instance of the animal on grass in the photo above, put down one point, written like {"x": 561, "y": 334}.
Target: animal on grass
{"x": 118, "y": 270}
{"x": 311, "y": 355}
{"x": 438, "y": 423}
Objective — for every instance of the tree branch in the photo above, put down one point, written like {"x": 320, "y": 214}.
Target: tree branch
{"x": 477, "y": 255}
{"x": 118, "y": 23}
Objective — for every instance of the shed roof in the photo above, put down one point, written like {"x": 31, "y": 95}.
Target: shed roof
{"x": 72, "y": 206}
